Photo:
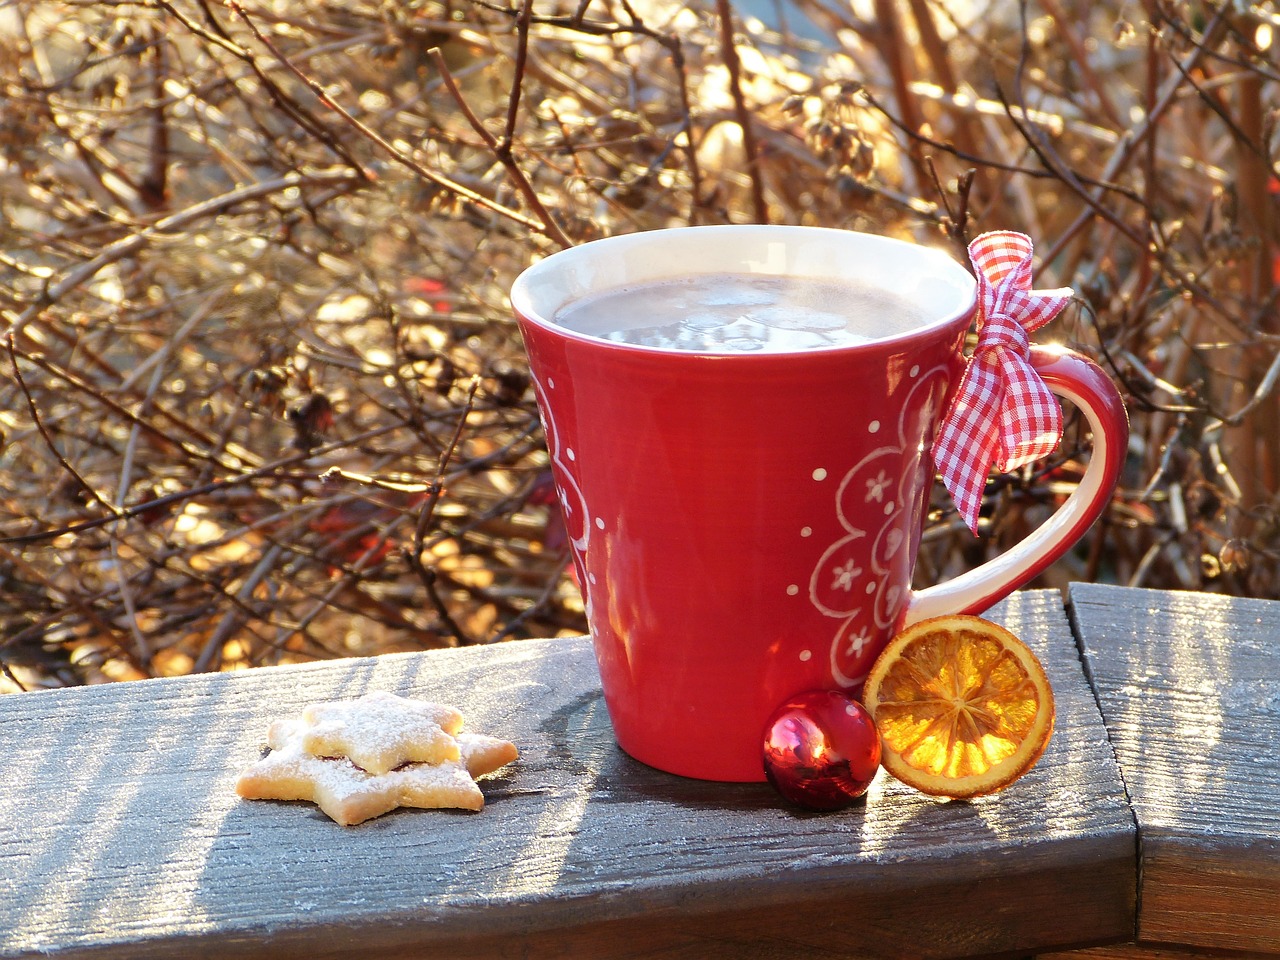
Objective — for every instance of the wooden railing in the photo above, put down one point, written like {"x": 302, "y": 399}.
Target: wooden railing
{"x": 1150, "y": 824}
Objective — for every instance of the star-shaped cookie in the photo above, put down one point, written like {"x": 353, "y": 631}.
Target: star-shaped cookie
{"x": 350, "y": 795}
{"x": 380, "y": 731}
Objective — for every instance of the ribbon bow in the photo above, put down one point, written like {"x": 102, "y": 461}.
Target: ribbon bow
{"x": 1003, "y": 413}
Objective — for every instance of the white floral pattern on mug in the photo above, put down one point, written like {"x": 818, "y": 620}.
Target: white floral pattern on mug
{"x": 867, "y": 597}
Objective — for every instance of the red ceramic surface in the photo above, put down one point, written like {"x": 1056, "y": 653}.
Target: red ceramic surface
{"x": 745, "y": 527}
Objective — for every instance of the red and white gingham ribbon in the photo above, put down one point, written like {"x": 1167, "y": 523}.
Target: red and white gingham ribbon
{"x": 1003, "y": 414}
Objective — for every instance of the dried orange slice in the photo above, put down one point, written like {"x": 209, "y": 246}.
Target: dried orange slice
{"x": 963, "y": 706}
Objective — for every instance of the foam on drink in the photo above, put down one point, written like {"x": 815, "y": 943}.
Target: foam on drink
{"x": 743, "y": 313}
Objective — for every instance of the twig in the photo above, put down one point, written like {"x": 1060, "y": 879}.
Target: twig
{"x": 729, "y": 54}
{"x": 436, "y": 487}
{"x": 1080, "y": 58}
{"x": 162, "y": 503}
{"x": 413, "y": 555}
{"x": 218, "y": 36}
{"x": 502, "y": 149}
{"x": 892, "y": 47}
{"x": 141, "y": 646}
{"x": 11, "y": 677}
{"x": 1129, "y": 144}
{"x": 129, "y": 416}
{"x": 686, "y": 112}
{"x": 84, "y": 484}
{"x": 635, "y": 26}
{"x": 937, "y": 51}
{"x": 956, "y": 222}
{"x": 1260, "y": 394}
{"x": 1049, "y": 157}
{"x": 399, "y": 156}
{"x": 517, "y": 78}
{"x": 127, "y": 246}
{"x": 211, "y": 654}
{"x": 531, "y": 611}
{"x": 153, "y": 190}
{"x": 429, "y": 577}
{"x": 989, "y": 163}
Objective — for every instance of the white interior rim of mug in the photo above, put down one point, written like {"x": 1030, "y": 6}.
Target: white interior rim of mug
{"x": 927, "y": 276}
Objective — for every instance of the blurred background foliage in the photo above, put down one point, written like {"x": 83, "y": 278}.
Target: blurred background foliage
{"x": 262, "y": 398}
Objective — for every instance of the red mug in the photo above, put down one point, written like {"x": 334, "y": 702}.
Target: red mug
{"x": 744, "y": 527}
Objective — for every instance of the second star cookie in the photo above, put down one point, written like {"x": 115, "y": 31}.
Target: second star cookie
{"x": 380, "y": 731}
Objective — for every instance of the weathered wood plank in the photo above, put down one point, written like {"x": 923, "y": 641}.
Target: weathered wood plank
{"x": 120, "y": 835}
{"x": 1131, "y": 951}
{"x": 1189, "y": 685}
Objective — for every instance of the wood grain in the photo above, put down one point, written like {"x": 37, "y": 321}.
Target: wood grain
{"x": 120, "y": 835}
{"x": 1131, "y": 951}
{"x": 1189, "y": 685}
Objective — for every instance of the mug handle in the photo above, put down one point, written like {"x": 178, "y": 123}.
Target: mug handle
{"x": 1080, "y": 380}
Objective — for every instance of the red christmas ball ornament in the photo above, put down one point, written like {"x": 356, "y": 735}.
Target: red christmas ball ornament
{"x": 821, "y": 750}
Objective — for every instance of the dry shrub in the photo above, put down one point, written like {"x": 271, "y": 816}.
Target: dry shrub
{"x": 263, "y": 399}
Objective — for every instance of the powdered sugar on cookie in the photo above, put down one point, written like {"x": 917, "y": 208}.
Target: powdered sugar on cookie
{"x": 380, "y": 731}
{"x": 349, "y": 792}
